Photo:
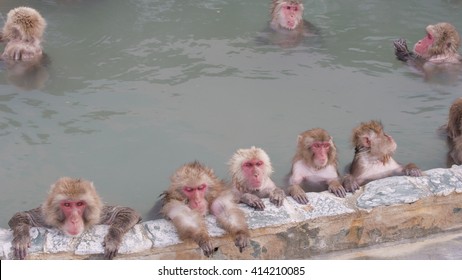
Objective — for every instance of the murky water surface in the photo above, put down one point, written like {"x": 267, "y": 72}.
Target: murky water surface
{"x": 136, "y": 88}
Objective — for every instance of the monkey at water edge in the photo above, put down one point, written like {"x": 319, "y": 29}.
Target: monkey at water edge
{"x": 454, "y": 133}
{"x": 194, "y": 192}
{"x": 373, "y": 157}
{"x": 250, "y": 170}
{"x": 314, "y": 166}
{"x": 73, "y": 206}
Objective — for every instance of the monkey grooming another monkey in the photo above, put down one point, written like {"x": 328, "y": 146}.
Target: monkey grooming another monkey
{"x": 373, "y": 157}
{"x": 454, "y": 133}
{"x": 314, "y": 166}
{"x": 23, "y": 32}
{"x": 250, "y": 170}
{"x": 73, "y": 206}
{"x": 194, "y": 192}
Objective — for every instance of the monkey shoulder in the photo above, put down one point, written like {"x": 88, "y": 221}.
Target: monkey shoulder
{"x": 33, "y": 217}
{"x": 110, "y": 213}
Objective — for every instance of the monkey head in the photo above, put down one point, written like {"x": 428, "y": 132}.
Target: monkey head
{"x": 73, "y": 205}
{"x": 24, "y": 24}
{"x": 370, "y": 137}
{"x": 287, "y": 13}
{"x": 249, "y": 168}
{"x": 441, "y": 39}
{"x": 193, "y": 182}
{"x": 316, "y": 148}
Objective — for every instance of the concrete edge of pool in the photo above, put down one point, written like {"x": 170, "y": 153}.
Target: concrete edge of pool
{"x": 387, "y": 210}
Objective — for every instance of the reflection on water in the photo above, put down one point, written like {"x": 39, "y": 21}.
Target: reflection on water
{"x": 136, "y": 88}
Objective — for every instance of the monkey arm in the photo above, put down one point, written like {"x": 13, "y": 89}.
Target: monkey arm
{"x": 189, "y": 224}
{"x": 21, "y": 223}
{"x": 276, "y": 195}
{"x": 120, "y": 221}
{"x": 403, "y": 53}
{"x": 231, "y": 218}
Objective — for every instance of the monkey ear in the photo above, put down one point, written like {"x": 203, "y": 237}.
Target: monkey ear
{"x": 299, "y": 139}
{"x": 365, "y": 141}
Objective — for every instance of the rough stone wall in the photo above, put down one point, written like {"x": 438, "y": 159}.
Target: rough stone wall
{"x": 386, "y": 210}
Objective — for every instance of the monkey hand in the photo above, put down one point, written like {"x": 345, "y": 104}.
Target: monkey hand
{"x": 206, "y": 245}
{"x": 253, "y": 201}
{"x": 350, "y": 184}
{"x": 112, "y": 243}
{"x": 20, "y": 245}
{"x": 298, "y": 194}
{"x": 277, "y": 197}
{"x": 242, "y": 240}
{"x": 337, "y": 189}
{"x": 401, "y": 50}
{"x": 412, "y": 170}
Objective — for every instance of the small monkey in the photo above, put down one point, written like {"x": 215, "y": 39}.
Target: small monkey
{"x": 250, "y": 170}
{"x": 23, "y": 32}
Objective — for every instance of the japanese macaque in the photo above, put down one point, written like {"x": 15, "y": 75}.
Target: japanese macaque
{"x": 314, "y": 166}
{"x": 435, "y": 53}
{"x": 288, "y": 24}
{"x": 73, "y": 206}
{"x": 194, "y": 192}
{"x": 250, "y": 170}
{"x": 454, "y": 133}
{"x": 373, "y": 157}
{"x": 23, "y": 32}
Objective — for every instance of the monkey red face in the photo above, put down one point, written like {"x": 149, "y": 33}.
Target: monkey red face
{"x": 73, "y": 213}
{"x": 196, "y": 197}
{"x": 291, "y": 15}
{"x": 320, "y": 152}
{"x": 423, "y": 45}
{"x": 253, "y": 172}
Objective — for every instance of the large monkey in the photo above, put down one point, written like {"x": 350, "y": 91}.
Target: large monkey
{"x": 454, "y": 133}
{"x": 250, "y": 170}
{"x": 73, "y": 206}
{"x": 373, "y": 157}
{"x": 435, "y": 52}
{"x": 194, "y": 192}
{"x": 314, "y": 166}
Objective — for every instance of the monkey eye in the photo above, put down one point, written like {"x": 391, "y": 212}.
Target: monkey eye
{"x": 259, "y": 163}
{"x": 248, "y": 164}
{"x": 188, "y": 189}
{"x": 288, "y": 7}
{"x": 317, "y": 145}
{"x": 202, "y": 187}
{"x": 80, "y": 203}
{"x": 295, "y": 8}
{"x": 66, "y": 204}
{"x": 326, "y": 145}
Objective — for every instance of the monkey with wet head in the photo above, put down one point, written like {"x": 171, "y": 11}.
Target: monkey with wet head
{"x": 250, "y": 170}
{"x": 22, "y": 33}
{"x": 194, "y": 192}
{"x": 373, "y": 157}
{"x": 314, "y": 166}
{"x": 73, "y": 206}
{"x": 454, "y": 133}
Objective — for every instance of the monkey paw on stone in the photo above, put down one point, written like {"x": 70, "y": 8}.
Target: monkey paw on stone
{"x": 350, "y": 184}
{"x": 111, "y": 244}
{"x": 277, "y": 197}
{"x": 253, "y": 201}
{"x": 207, "y": 247}
{"x": 20, "y": 246}
{"x": 337, "y": 189}
{"x": 241, "y": 241}
{"x": 412, "y": 170}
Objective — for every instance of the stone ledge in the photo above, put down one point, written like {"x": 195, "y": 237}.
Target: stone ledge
{"x": 386, "y": 210}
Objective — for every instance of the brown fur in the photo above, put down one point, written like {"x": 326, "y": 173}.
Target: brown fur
{"x": 23, "y": 32}
{"x": 446, "y": 39}
{"x": 306, "y": 139}
{"x": 454, "y": 133}
{"x": 120, "y": 219}
{"x": 189, "y": 223}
